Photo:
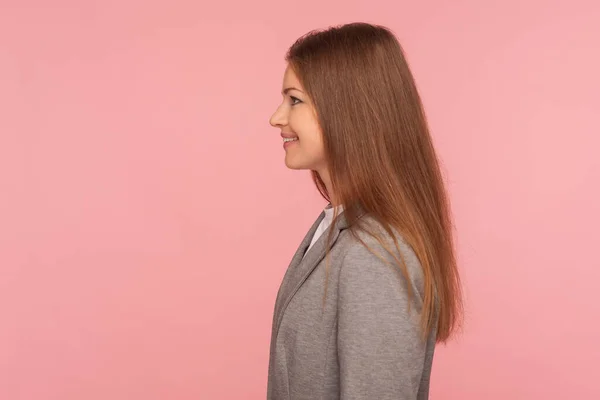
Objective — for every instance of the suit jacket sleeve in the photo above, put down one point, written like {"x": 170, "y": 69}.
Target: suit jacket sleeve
{"x": 380, "y": 351}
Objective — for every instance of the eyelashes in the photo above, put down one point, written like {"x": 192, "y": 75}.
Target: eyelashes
{"x": 295, "y": 100}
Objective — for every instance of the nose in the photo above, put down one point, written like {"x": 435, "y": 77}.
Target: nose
{"x": 279, "y": 118}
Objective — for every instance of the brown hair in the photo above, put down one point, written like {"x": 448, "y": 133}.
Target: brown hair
{"x": 380, "y": 155}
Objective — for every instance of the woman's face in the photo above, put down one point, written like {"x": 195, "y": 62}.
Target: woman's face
{"x": 297, "y": 120}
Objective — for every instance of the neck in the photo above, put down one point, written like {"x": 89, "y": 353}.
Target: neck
{"x": 324, "y": 174}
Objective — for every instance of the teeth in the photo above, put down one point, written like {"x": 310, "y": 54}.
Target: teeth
{"x": 289, "y": 139}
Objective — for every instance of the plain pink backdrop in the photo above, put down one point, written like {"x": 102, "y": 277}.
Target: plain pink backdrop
{"x": 147, "y": 217}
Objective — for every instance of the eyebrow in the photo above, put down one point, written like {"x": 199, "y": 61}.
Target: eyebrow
{"x": 286, "y": 90}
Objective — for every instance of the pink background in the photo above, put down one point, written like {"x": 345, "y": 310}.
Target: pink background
{"x": 147, "y": 216}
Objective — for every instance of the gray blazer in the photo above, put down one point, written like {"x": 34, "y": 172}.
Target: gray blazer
{"x": 362, "y": 344}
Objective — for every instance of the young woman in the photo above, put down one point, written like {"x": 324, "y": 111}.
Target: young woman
{"x": 374, "y": 284}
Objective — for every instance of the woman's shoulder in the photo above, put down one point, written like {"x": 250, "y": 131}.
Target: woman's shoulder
{"x": 374, "y": 259}
{"x": 371, "y": 232}
{"x": 369, "y": 244}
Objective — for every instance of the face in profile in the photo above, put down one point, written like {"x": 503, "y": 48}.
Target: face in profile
{"x": 297, "y": 120}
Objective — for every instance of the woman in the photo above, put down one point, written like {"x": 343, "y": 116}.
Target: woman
{"x": 374, "y": 284}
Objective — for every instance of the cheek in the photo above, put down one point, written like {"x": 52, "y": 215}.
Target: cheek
{"x": 311, "y": 141}
{"x": 311, "y": 145}
{"x": 307, "y": 128}
{"x": 305, "y": 125}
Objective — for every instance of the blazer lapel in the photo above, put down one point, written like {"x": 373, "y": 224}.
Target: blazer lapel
{"x": 302, "y": 265}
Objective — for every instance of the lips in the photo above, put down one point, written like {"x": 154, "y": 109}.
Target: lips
{"x": 288, "y": 135}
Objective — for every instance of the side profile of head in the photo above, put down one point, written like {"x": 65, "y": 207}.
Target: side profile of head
{"x": 300, "y": 130}
{"x": 352, "y": 115}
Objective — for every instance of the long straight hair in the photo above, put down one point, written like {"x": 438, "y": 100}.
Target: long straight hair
{"x": 380, "y": 155}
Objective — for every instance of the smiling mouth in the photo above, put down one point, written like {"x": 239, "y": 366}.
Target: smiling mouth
{"x": 287, "y": 140}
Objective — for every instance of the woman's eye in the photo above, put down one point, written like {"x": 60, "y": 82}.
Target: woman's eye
{"x": 295, "y": 100}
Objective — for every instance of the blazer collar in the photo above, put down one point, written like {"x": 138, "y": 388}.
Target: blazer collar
{"x": 302, "y": 265}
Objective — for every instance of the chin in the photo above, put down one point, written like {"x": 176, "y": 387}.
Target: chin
{"x": 295, "y": 165}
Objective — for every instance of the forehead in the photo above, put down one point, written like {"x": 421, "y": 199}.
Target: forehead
{"x": 290, "y": 78}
